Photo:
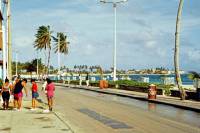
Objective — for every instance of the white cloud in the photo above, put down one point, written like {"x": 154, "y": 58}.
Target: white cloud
{"x": 145, "y": 31}
{"x": 150, "y": 44}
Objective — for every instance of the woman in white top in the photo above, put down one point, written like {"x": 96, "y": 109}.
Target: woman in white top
{"x": 6, "y": 90}
{"x": 44, "y": 86}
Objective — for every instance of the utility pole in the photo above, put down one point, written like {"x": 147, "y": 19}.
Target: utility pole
{"x": 37, "y": 67}
{"x": 115, "y": 43}
{"x": 59, "y": 55}
{"x": 114, "y": 3}
{"x": 4, "y": 53}
{"x": 16, "y": 63}
{"x": 9, "y": 45}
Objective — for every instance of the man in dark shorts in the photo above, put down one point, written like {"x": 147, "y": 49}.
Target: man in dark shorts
{"x": 6, "y": 89}
{"x": 35, "y": 94}
{"x": 19, "y": 85}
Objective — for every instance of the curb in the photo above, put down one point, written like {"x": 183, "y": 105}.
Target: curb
{"x": 57, "y": 115}
{"x": 133, "y": 97}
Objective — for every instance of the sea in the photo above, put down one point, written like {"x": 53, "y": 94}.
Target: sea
{"x": 150, "y": 78}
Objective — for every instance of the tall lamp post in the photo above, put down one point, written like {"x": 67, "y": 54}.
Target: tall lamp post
{"x": 114, "y": 3}
{"x": 37, "y": 67}
{"x": 59, "y": 52}
{"x": 16, "y": 61}
{"x": 59, "y": 72}
{"x": 9, "y": 45}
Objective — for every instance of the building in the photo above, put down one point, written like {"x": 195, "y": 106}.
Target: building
{"x": 1, "y": 33}
{"x": 1, "y": 44}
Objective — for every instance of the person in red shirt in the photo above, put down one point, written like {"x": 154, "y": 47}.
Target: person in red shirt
{"x": 35, "y": 94}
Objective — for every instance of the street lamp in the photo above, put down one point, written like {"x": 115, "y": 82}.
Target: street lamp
{"x": 59, "y": 72}
{"x": 16, "y": 61}
{"x": 37, "y": 67}
{"x": 114, "y": 3}
{"x": 60, "y": 41}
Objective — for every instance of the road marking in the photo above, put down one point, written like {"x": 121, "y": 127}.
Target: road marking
{"x": 104, "y": 119}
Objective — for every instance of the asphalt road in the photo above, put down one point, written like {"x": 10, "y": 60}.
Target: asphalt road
{"x": 89, "y": 113}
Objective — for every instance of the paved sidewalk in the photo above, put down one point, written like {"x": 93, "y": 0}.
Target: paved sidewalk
{"x": 26, "y": 121}
{"x": 172, "y": 101}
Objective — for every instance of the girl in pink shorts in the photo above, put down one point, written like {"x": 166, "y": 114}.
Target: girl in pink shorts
{"x": 50, "y": 88}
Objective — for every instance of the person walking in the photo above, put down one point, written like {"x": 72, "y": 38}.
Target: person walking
{"x": 87, "y": 79}
{"x": 50, "y": 88}
{"x": 6, "y": 90}
{"x": 18, "y": 94}
{"x": 44, "y": 85}
{"x": 80, "y": 79}
{"x": 35, "y": 94}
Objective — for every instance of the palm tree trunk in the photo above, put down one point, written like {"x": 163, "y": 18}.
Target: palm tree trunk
{"x": 48, "y": 64}
{"x": 176, "y": 54}
{"x": 45, "y": 63}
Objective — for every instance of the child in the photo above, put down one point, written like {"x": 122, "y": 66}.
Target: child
{"x": 50, "y": 88}
{"x": 35, "y": 94}
{"x": 6, "y": 90}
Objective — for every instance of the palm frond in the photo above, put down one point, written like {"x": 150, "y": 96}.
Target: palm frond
{"x": 43, "y": 38}
{"x": 61, "y": 41}
{"x": 193, "y": 75}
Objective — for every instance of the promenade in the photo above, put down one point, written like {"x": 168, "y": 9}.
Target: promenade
{"x": 26, "y": 121}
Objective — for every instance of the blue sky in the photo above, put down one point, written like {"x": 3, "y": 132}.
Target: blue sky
{"x": 145, "y": 31}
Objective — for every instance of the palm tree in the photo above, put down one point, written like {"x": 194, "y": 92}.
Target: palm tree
{"x": 61, "y": 45}
{"x": 91, "y": 69}
{"x": 75, "y": 68}
{"x": 100, "y": 71}
{"x": 43, "y": 41}
{"x": 61, "y": 42}
{"x": 176, "y": 52}
{"x": 195, "y": 77}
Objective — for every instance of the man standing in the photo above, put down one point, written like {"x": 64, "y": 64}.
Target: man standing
{"x": 87, "y": 79}
{"x": 19, "y": 85}
{"x": 80, "y": 79}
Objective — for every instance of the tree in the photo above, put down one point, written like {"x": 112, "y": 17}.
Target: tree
{"x": 91, "y": 69}
{"x": 61, "y": 41}
{"x": 195, "y": 77}
{"x": 61, "y": 46}
{"x": 26, "y": 66}
{"x": 176, "y": 52}
{"x": 43, "y": 41}
{"x": 75, "y": 68}
{"x": 30, "y": 68}
{"x": 41, "y": 66}
{"x": 100, "y": 71}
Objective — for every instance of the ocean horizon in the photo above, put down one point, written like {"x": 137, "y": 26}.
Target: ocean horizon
{"x": 151, "y": 78}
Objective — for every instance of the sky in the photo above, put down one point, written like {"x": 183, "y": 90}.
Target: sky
{"x": 145, "y": 32}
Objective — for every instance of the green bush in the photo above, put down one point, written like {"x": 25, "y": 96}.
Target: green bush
{"x": 130, "y": 83}
{"x": 134, "y": 83}
{"x": 166, "y": 88}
